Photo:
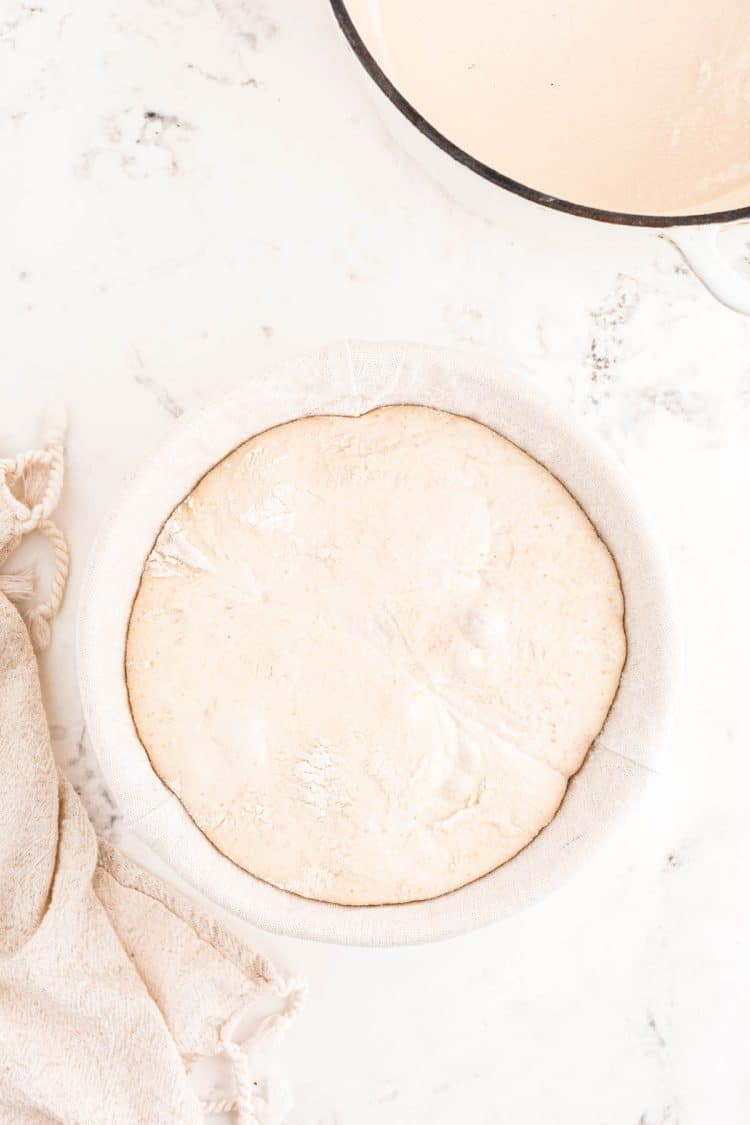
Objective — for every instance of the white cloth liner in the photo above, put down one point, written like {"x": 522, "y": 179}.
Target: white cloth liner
{"x": 352, "y": 378}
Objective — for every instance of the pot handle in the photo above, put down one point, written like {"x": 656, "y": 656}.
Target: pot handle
{"x": 699, "y": 246}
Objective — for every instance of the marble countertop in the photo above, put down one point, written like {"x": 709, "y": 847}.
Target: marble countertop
{"x": 191, "y": 188}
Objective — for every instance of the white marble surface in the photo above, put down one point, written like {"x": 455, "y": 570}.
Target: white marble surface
{"x": 190, "y": 188}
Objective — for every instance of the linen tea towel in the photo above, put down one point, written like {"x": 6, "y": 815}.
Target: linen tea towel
{"x": 110, "y": 983}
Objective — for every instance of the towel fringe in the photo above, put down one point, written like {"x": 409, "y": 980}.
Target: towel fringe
{"x": 30, "y": 487}
{"x": 251, "y": 1108}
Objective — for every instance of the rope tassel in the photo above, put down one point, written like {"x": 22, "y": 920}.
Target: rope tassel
{"x": 30, "y": 487}
{"x": 250, "y": 1107}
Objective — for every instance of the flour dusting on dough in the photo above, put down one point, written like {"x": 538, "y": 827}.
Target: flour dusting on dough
{"x": 174, "y": 552}
{"x": 373, "y": 651}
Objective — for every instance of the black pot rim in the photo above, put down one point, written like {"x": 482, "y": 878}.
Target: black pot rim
{"x": 491, "y": 174}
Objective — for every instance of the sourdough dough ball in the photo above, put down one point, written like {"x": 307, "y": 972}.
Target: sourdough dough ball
{"x": 367, "y": 654}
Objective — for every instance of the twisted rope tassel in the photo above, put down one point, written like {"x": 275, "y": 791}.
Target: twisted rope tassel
{"x": 39, "y": 474}
{"x": 249, "y": 1105}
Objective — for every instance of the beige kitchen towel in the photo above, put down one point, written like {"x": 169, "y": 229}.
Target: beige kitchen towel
{"x": 111, "y": 985}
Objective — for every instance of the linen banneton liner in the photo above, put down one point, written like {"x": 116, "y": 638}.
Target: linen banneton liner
{"x": 352, "y": 378}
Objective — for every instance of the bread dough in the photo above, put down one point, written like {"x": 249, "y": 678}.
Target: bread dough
{"x": 368, "y": 653}
{"x": 642, "y": 107}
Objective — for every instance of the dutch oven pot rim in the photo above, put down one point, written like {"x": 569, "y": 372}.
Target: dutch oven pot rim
{"x": 459, "y": 154}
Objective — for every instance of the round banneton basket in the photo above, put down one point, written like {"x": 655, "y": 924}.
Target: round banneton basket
{"x": 352, "y": 378}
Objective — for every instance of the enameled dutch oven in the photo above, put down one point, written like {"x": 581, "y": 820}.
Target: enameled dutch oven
{"x": 480, "y": 186}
